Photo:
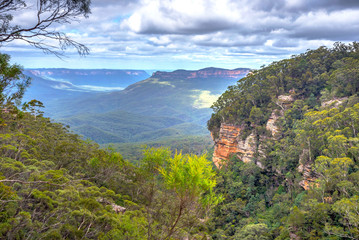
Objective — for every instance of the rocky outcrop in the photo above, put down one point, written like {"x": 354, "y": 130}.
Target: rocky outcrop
{"x": 271, "y": 124}
{"x": 118, "y": 208}
{"x": 229, "y": 143}
{"x": 285, "y": 101}
{"x": 246, "y": 148}
{"x": 226, "y": 144}
{"x": 307, "y": 174}
{"x": 334, "y": 102}
{"x": 230, "y": 140}
{"x": 305, "y": 168}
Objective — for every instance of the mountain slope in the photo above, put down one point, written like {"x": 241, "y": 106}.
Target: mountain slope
{"x": 180, "y": 98}
{"x": 121, "y": 126}
{"x": 52, "y": 85}
{"x": 170, "y": 94}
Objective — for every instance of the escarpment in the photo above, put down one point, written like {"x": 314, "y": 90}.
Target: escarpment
{"x": 231, "y": 140}
{"x": 234, "y": 140}
{"x": 202, "y": 73}
{"x": 287, "y": 145}
{"x": 229, "y": 143}
{"x": 226, "y": 144}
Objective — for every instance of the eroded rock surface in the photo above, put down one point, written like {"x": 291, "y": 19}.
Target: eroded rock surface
{"x": 271, "y": 124}
{"x": 246, "y": 148}
{"x": 229, "y": 142}
{"x": 226, "y": 144}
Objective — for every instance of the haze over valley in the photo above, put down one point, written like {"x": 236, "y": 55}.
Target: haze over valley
{"x": 122, "y": 106}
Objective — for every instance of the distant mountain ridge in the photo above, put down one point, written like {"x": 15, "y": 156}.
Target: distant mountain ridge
{"x": 179, "y": 99}
{"x": 164, "y": 93}
{"x": 53, "y": 85}
{"x": 90, "y": 77}
{"x": 202, "y": 73}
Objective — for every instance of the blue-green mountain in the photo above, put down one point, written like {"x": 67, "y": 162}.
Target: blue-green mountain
{"x": 167, "y": 104}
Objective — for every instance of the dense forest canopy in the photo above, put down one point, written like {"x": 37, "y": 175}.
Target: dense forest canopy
{"x": 307, "y": 186}
{"x": 54, "y": 185}
{"x": 333, "y": 70}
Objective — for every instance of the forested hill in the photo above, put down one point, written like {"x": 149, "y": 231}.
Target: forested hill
{"x": 54, "y": 185}
{"x": 296, "y": 124}
{"x": 166, "y": 105}
{"x": 51, "y": 85}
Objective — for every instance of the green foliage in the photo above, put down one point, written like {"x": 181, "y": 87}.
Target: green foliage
{"x": 252, "y": 232}
{"x": 187, "y": 144}
{"x": 178, "y": 192}
{"x": 305, "y": 75}
{"x": 191, "y": 177}
{"x": 54, "y": 185}
{"x": 318, "y": 135}
{"x": 64, "y": 187}
{"x": 12, "y": 81}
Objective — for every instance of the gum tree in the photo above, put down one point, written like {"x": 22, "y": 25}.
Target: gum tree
{"x": 47, "y": 15}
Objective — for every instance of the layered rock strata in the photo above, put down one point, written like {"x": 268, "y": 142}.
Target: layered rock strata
{"x": 226, "y": 144}
{"x": 229, "y": 143}
{"x": 230, "y": 140}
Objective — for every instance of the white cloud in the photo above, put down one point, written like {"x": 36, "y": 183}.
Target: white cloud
{"x": 187, "y": 33}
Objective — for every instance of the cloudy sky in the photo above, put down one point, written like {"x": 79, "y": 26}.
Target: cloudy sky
{"x": 193, "y": 34}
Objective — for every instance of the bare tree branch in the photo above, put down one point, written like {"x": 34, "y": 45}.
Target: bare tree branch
{"x": 49, "y": 13}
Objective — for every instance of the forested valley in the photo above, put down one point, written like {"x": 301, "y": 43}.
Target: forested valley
{"x": 54, "y": 185}
{"x": 299, "y": 180}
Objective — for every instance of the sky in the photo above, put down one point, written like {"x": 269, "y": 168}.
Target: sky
{"x": 194, "y": 34}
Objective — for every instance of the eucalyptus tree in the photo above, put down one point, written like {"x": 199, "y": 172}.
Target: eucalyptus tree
{"x": 41, "y": 31}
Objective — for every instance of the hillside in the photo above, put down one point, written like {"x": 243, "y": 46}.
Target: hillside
{"x": 187, "y": 144}
{"x": 54, "y": 185}
{"x": 52, "y": 85}
{"x": 166, "y": 105}
{"x": 127, "y": 127}
{"x": 183, "y": 94}
{"x": 286, "y": 142}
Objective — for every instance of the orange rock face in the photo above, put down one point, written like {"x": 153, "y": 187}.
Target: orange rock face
{"x": 305, "y": 168}
{"x": 229, "y": 143}
{"x": 226, "y": 144}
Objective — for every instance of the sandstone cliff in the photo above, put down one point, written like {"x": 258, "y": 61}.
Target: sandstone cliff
{"x": 226, "y": 144}
{"x": 230, "y": 141}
